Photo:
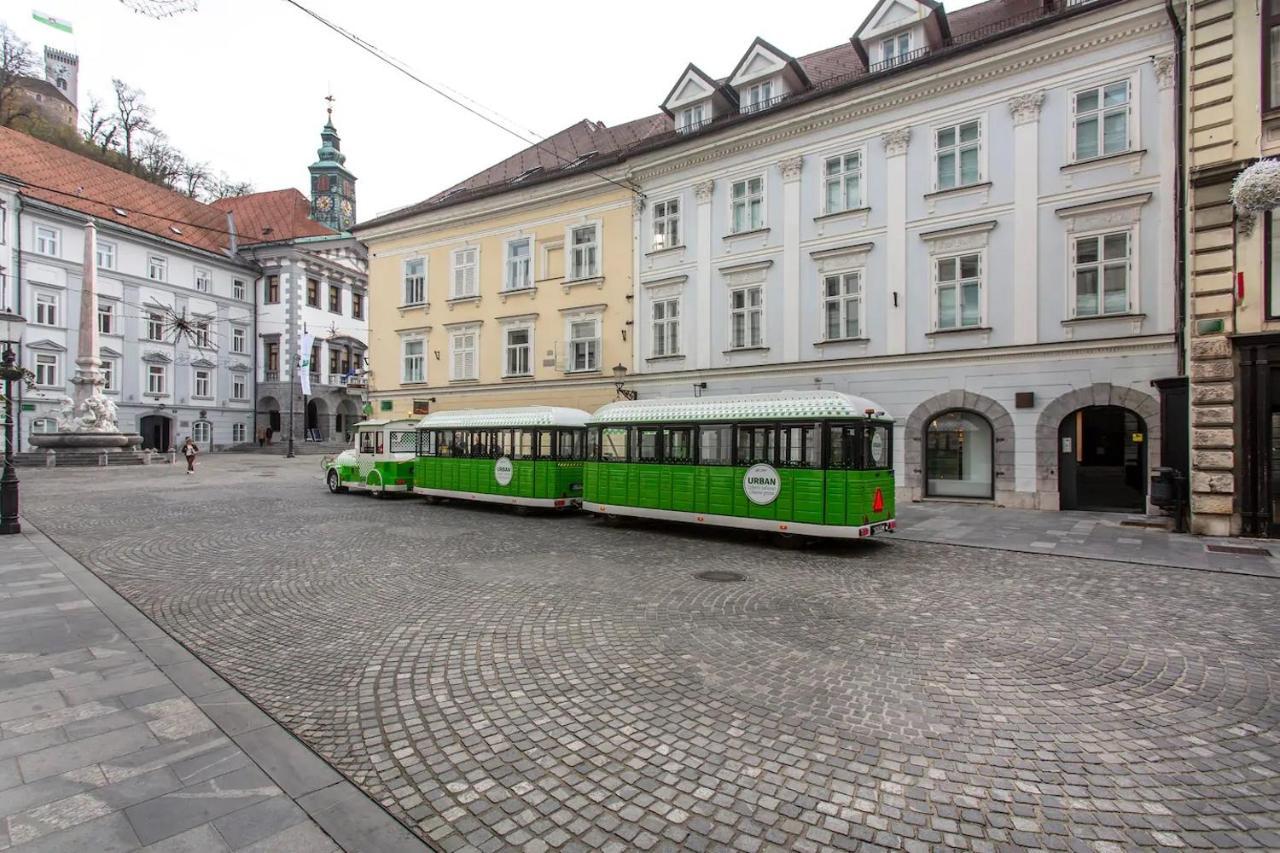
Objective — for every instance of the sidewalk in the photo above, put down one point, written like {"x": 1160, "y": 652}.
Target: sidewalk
{"x": 1095, "y": 535}
{"x": 115, "y": 738}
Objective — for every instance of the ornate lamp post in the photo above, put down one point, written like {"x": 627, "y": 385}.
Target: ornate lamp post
{"x": 619, "y": 383}
{"x": 11, "y": 328}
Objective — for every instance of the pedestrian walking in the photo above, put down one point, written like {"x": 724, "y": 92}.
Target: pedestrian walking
{"x": 189, "y": 450}
{"x": 269, "y": 431}
{"x": 262, "y": 436}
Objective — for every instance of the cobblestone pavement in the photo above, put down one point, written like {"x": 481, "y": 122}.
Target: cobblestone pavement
{"x": 501, "y": 681}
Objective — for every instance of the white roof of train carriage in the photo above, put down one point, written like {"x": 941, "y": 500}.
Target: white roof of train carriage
{"x": 521, "y": 416}
{"x": 783, "y": 405}
{"x": 382, "y": 423}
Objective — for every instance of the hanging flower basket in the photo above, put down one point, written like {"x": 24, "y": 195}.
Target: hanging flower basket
{"x": 1257, "y": 188}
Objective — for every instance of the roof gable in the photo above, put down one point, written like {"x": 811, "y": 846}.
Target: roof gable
{"x": 889, "y": 15}
{"x": 764, "y": 60}
{"x": 694, "y": 85}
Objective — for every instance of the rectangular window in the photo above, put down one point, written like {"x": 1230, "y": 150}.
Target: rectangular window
{"x": 798, "y": 446}
{"x": 106, "y": 254}
{"x": 155, "y": 326}
{"x": 201, "y": 334}
{"x": 756, "y": 445}
{"x": 666, "y": 224}
{"x": 48, "y": 241}
{"x": 237, "y": 292}
{"x": 677, "y": 445}
{"x": 1271, "y": 54}
{"x": 584, "y": 345}
{"x": 842, "y": 305}
{"x": 666, "y": 327}
{"x": 273, "y": 357}
{"x": 691, "y": 118}
{"x": 157, "y": 374}
{"x": 46, "y": 309}
{"x": 958, "y": 292}
{"x": 516, "y": 361}
{"x": 46, "y": 370}
{"x": 1101, "y": 274}
{"x": 239, "y": 339}
{"x": 462, "y": 355}
{"x": 415, "y": 281}
{"x": 204, "y": 280}
{"x": 271, "y": 293}
{"x": 746, "y": 317}
{"x": 357, "y": 306}
{"x": 106, "y": 318}
{"x": 585, "y": 252}
{"x": 313, "y": 293}
{"x": 519, "y": 268}
{"x": 894, "y": 49}
{"x": 957, "y": 152}
{"x": 465, "y": 278}
{"x": 239, "y": 433}
{"x": 757, "y": 96}
{"x": 333, "y": 362}
{"x": 203, "y": 383}
{"x": 108, "y": 370}
{"x": 1102, "y": 120}
{"x": 715, "y": 445}
{"x": 335, "y": 299}
{"x": 239, "y": 387}
{"x": 414, "y": 360}
{"x": 747, "y": 205}
{"x": 613, "y": 444}
{"x": 842, "y": 177}
{"x": 157, "y": 268}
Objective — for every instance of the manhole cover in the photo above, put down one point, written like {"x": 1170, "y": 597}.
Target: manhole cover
{"x": 1242, "y": 550}
{"x": 717, "y": 576}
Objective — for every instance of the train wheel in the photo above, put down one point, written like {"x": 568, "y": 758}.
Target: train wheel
{"x": 335, "y": 482}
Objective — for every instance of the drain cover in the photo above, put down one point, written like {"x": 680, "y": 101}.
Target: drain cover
{"x": 1242, "y": 550}
{"x": 717, "y": 576}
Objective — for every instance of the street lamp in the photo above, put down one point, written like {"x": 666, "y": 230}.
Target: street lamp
{"x": 11, "y": 329}
{"x": 619, "y": 379}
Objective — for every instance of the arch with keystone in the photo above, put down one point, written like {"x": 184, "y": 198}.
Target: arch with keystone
{"x": 1001, "y": 436}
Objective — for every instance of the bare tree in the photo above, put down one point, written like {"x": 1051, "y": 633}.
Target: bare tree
{"x": 99, "y": 126}
{"x": 193, "y": 178}
{"x": 133, "y": 116}
{"x": 159, "y": 160}
{"x": 16, "y": 61}
{"x": 224, "y": 187}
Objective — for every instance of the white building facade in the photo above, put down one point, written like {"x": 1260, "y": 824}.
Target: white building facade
{"x": 979, "y": 236}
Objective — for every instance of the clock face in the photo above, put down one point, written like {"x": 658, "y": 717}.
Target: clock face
{"x": 346, "y": 207}
{"x": 324, "y": 203}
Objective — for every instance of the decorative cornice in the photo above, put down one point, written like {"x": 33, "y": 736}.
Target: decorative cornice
{"x": 790, "y": 168}
{"x": 702, "y": 191}
{"x": 1164, "y": 67}
{"x": 895, "y": 141}
{"x": 1025, "y": 108}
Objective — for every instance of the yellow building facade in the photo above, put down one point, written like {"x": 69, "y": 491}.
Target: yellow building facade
{"x": 516, "y": 298}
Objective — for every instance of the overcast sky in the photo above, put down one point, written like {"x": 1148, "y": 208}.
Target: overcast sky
{"x": 241, "y": 83}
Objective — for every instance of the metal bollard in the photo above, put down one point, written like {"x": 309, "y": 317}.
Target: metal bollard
{"x": 102, "y": 459}
{"x": 50, "y": 458}
{"x": 173, "y": 456}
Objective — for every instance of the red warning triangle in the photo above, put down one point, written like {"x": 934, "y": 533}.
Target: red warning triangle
{"x": 877, "y": 502}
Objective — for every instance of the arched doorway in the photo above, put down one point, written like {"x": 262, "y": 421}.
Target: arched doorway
{"x": 269, "y": 413}
{"x": 317, "y": 419}
{"x": 345, "y": 419}
{"x": 156, "y": 432}
{"x": 959, "y": 458}
{"x": 1102, "y": 460}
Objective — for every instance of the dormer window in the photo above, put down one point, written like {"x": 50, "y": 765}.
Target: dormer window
{"x": 691, "y": 118}
{"x": 757, "y": 96}
{"x": 894, "y": 50}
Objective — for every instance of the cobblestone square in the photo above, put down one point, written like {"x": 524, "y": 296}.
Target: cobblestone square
{"x": 499, "y": 681}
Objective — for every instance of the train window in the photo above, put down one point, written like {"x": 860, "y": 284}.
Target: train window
{"x": 568, "y": 444}
{"x": 526, "y": 444}
{"x": 645, "y": 446}
{"x": 593, "y": 444}
{"x": 426, "y": 443}
{"x": 402, "y": 441}
{"x": 756, "y": 445}
{"x": 381, "y": 438}
{"x": 798, "y": 447}
{"x": 678, "y": 445}
{"x": 613, "y": 444}
{"x": 715, "y": 445}
{"x": 877, "y": 448}
{"x": 505, "y": 445}
{"x": 457, "y": 443}
{"x": 367, "y": 443}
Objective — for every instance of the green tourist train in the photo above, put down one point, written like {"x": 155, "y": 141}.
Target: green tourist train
{"x": 529, "y": 456}
{"x": 796, "y": 464}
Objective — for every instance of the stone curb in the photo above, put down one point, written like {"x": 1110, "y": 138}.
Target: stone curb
{"x": 354, "y": 821}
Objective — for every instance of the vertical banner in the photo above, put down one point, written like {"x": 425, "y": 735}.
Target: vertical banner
{"x": 304, "y": 359}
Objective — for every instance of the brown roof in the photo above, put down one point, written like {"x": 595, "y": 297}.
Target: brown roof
{"x": 61, "y": 177}
{"x": 37, "y": 86}
{"x": 828, "y": 70}
{"x": 271, "y": 216}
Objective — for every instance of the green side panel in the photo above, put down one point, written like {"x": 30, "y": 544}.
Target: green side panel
{"x": 751, "y": 510}
{"x": 805, "y": 489}
{"x": 590, "y": 479}
{"x": 680, "y": 488}
{"x": 649, "y": 485}
{"x": 835, "y": 497}
{"x": 722, "y": 485}
{"x": 348, "y": 473}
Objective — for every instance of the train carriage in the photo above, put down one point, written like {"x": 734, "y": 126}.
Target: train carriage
{"x": 380, "y": 461}
{"x": 804, "y": 463}
{"x": 529, "y": 456}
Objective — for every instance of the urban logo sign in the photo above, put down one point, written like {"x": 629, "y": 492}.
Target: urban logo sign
{"x": 503, "y": 471}
{"x": 761, "y": 484}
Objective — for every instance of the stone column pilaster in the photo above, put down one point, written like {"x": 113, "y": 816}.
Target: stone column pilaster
{"x": 895, "y": 148}
{"x": 790, "y": 170}
{"x": 702, "y": 288}
{"x": 1025, "y": 109}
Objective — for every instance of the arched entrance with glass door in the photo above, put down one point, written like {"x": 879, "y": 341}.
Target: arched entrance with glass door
{"x": 317, "y": 419}
{"x": 345, "y": 419}
{"x": 269, "y": 414}
{"x": 959, "y": 456}
{"x": 156, "y": 432}
{"x": 1102, "y": 460}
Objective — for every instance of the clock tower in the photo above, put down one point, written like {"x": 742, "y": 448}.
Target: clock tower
{"x": 333, "y": 188}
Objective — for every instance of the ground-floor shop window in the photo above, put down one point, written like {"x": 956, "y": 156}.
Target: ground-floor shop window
{"x": 958, "y": 456}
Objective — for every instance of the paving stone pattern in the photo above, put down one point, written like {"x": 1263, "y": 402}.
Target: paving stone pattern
{"x": 501, "y": 682}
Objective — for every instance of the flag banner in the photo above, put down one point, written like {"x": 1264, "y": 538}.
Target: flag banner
{"x": 305, "y": 360}
{"x": 57, "y": 23}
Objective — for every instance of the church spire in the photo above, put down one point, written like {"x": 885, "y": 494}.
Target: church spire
{"x": 333, "y": 187}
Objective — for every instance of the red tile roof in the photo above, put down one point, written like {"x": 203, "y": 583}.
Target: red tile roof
{"x": 271, "y": 216}
{"x": 61, "y": 177}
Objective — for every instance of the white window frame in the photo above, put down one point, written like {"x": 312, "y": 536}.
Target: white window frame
{"x": 107, "y": 310}
{"x": 842, "y": 177}
{"x": 239, "y": 433}
{"x": 105, "y": 255}
{"x": 154, "y": 372}
{"x": 408, "y": 376}
{"x": 413, "y": 287}
{"x": 155, "y": 326}
{"x": 746, "y": 310}
{"x": 202, "y": 434}
{"x": 593, "y": 347}
{"x": 206, "y": 277}
{"x": 1132, "y": 127}
{"x": 692, "y": 117}
{"x": 958, "y": 147}
{"x": 201, "y": 375}
{"x": 664, "y": 223}
{"x": 892, "y": 48}
{"x": 239, "y": 340}
{"x": 747, "y": 198}
{"x": 467, "y": 371}
{"x": 466, "y": 270}
{"x": 157, "y": 268}
{"x": 507, "y": 348}
{"x": 508, "y": 279}
{"x": 47, "y": 367}
{"x": 110, "y": 372}
{"x": 591, "y": 250}
{"x": 48, "y": 307}
{"x": 843, "y": 299}
{"x": 758, "y": 95}
{"x": 937, "y": 285}
{"x": 48, "y": 241}
{"x": 238, "y": 291}
{"x": 202, "y": 333}
{"x": 664, "y": 331}
{"x": 1131, "y": 269}
{"x": 239, "y": 386}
